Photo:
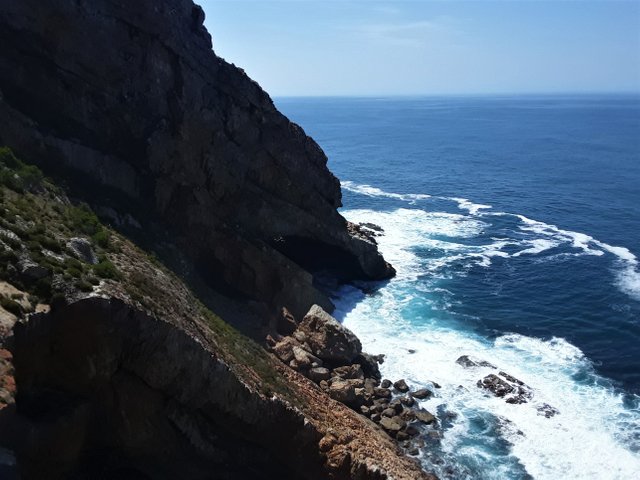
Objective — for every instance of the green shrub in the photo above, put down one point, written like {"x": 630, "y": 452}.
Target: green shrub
{"x": 30, "y": 175}
{"x": 74, "y": 272}
{"x": 8, "y": 158}
{"x": 82, "y": 219}
{"x": 106, "y": 269}
{"x": 101, "y": 238}
{"x": 11, "y": 306}
{"x": 84, "y": 286}
{"x": 17, "y": 175}
{"x": 11, "y": 180}
{"x": 73, "y": 263}
{"x": 8, "y": 256}
{"x": 51, "y": 243}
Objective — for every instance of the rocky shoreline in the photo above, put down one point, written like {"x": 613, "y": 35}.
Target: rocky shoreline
{"x": 331, "y": 356}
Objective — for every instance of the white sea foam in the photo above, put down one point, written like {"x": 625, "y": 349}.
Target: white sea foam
{"x": 538, "y": 245}
{"x": 593, "y": 435}
{"x": 627, "y": 276}
{"x": 466, "y": 204}
{"x": 376, "y": 192}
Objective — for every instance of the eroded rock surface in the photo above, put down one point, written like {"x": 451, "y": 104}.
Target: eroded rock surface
{"x": 129, "y": 104}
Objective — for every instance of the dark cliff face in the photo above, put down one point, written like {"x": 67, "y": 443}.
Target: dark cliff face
{"x": 127, "y": 102}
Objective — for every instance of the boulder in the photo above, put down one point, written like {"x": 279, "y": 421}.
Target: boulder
{"x": 30, "y": 270}
{"x": 401, "y": 386}
{"x": 385, "y": 383}
{"x": 382, "y": 392}
{"x": 342, "y": 391}
{"x": 369, "y": 364}
{"x": 328, "y": 339}
{"x": 318, "y": 374}
{"x": 421, "y": 394}
{"x": 390, "y": 424}
{"x": 349, "y": 371}
{"x": 81, "y": 249}
{"x": 305, "y": 359}
{"x": 388, "y": 412}
{"x": 370, "y": 385}
{"x": 424, "y": 416}
{"x": 284, "y": 349}
{"x": 407, "y": 400}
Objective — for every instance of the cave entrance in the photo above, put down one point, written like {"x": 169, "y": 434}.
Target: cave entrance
{"x": 320, "y": 259}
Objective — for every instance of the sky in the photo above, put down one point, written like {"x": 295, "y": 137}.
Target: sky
{"x": 368, "y": 47}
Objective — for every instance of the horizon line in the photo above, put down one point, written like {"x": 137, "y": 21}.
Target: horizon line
{"x": 471, "y": 94}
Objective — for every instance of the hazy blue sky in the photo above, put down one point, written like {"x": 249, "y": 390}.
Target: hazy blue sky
{"x": 308, "y": 47}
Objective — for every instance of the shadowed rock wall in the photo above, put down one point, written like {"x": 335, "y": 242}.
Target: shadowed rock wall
{"x": 127, "y": 102}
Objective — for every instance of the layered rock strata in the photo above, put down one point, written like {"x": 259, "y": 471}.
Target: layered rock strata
{"x": 127, "y": 102}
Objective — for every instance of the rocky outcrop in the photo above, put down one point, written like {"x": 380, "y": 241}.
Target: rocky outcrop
{"x": 114, "y": 397}
{"x": 352, "y": 377}
{"x": 129, "y": 104}
{"x": 328, "y": 339}
{"x": 116, "y": 370}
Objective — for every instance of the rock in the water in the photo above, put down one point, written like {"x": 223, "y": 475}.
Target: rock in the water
{"x": 421, "y": 394}
{"x": 507, "y": 387}
{"x": 385, "y": 383}
{"x": 82, "y": 250}
{"x": 496, "y": 385}
{"x": 412, "y": 430}
{"x": 407, "y": 400}
{"x": 547, "y": 410}
{"x": 424, "y": 416}
{"x": 328, "y": 339}
{"x": 466, "y": 362}
{"x": 401, "y": 386}
{"x": 381, "y": 392}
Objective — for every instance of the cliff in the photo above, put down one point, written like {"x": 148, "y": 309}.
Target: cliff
{"x": 127, "y": 103}
{"x": 110, "y": 367}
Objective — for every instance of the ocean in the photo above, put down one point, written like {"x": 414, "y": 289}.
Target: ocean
{"x": 514, "y": 226}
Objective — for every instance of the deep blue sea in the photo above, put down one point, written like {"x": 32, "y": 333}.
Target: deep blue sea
{"x": 514, "y": 225}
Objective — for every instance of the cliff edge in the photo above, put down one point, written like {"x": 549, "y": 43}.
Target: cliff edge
{"x": 110, "y": 368}
{"x": 128, "y": 104}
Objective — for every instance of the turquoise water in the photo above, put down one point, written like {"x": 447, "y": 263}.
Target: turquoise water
{"x": 514, "y": 224}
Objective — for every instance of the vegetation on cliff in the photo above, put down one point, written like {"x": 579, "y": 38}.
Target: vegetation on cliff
{"x": 84, "y": 312}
